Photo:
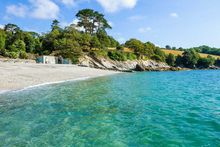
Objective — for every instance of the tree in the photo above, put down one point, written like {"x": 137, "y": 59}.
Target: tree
{"x": 13, "y": 33}
{"x": 2, "y": 39}
{"x": 170, "y": 59}
{"x": 120, "y": 48}
{"x": 84, "y": 42}
{"x": 17, "y": 49}
{"x": 70, "y": 49}
{"x": 20, "y": 45}
{"x": 180, "y": 48}
{"x": 173, "y": 48}
{"x": 103, "y": 39}
{"x": 2, "y": 42}
{"x": 205, "y": 62}
{"x": 190, "y": 58}
{"x": 12, "y": 28}
{"x": 50, "y": 41}
{"x": 92, "y": 21}
{"x": 117, "y": 56}
{"x": 29, "y": 42}
{"x": 113, "y": 42}
{"x": 217, "y": 62}
{"x": 168, "y": 47}
{"x": 38, "y": 46}
{"x": 55, "y": 25}
{"x": 156, "y": 58}
{"x": 149, "y": 49}
{"x": 136, "y": 45}
{"x": 179, "y": 61}
{"x": 160, "y": 53}
{"x": 95, "y": 42}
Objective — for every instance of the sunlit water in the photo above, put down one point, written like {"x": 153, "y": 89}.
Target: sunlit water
{"x": 138, "y": 109}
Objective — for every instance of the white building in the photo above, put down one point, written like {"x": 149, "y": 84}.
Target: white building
{"x": 52, "y": 60}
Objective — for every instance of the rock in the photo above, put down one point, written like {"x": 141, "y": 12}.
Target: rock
{"x": 214, "y": 67}
{"x": 175, "y": 68}
{"x": 139, "y": 68}
{"x": 125, "y": 66}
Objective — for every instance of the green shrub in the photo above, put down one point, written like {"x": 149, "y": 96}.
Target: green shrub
{"x": 2, "y": 52}
{"x": 120, "y": 48}
{"x": 156, "y": 58}
{"x": 217, "y": 62}
{"x": 171, "y": 60}
{"x": 12, "y": 55}
{"x": 205, "y": 62}
{"x": 99, "y": 53}
{"x": 117, "y": 56}
{"x": 23, "y": 55}
{"x": 131, "y": 56}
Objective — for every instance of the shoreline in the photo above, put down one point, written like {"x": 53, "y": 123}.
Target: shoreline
{"x": 49, "y": 83}
{"x": 19, "y": 76}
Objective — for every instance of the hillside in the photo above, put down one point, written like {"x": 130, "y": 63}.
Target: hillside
{"x": 176, "y": 53}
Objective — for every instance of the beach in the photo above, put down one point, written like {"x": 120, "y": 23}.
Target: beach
{"x": 16, "y": 76}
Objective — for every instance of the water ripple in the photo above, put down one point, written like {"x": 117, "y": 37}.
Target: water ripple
{"x": 140, "y": 109}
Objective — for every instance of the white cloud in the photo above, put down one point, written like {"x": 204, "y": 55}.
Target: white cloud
{"x": 68, "y": 2}
{"x": 74, "y": 23}
{"x": 121, "y": 39}
{"x": 65, "y": 24}
{"x": 40, "y": 9}
{"x": 111, "y": 23}
{"x": 44, "y": 9}
{"x": 71, "y": 3}
{"x": 144, "y": 30}
{"x": 136, "y": 17}
{"x": 174, "y": 15}
{"x": 2, "y": 26}
{"x": 19, "y": 10}
{"x": 115, "y": 5}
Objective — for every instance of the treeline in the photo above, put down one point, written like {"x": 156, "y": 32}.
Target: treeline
{"x": 68, "y": 42}
{"x": 189, "y": 59}
{"x": 192, "y": 59}
{"x": 89, "y": 37}
{"x": 71, "y": 42}
{"x": 201, "y": 49}
{"x": 207, "y": 50}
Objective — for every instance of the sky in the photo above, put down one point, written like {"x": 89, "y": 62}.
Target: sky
{"x": 179, "y": 23}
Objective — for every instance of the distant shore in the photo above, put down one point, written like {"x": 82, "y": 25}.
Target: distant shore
{"x": 17, "y": 76}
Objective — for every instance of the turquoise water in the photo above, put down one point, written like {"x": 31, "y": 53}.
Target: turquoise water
{"x": 138, "y": 109}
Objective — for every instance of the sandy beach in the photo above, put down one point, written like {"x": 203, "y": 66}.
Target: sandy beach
{"x": 15, "y": 76}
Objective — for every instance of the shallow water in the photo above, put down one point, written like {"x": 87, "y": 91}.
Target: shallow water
{"x": 138, "y": 109}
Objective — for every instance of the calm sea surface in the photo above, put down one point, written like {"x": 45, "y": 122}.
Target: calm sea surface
{"x": 137, "y": 109}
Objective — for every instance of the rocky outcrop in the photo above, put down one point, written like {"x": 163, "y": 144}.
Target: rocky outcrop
{"x": 214, "y": 67}
{"x": 126, "y": 66}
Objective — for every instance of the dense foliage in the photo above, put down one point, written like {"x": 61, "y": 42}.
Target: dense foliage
{"x": 89, "y": 36}
{"x": 70, "y": 42}
{"x": 191, "y": 58}
{"x": 146, "y": 50}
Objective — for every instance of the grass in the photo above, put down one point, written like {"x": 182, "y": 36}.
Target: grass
{"x": 127, "y": 50}
{"x": 176, "y": 53}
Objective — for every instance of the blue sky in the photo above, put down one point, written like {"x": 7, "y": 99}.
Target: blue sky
{"x": 184, "y": 23}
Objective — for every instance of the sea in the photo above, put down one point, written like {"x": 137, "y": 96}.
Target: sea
{"x": 161, "y": 109}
